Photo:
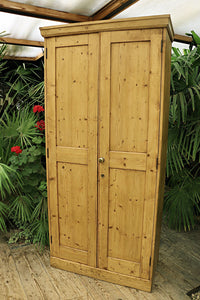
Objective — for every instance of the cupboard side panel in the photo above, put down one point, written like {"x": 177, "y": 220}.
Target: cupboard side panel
{"x": 51, "y": 146}
{"x": 46, "y": 136}
{"x": 152, "y": 153}
{"x": 165, "y": 100}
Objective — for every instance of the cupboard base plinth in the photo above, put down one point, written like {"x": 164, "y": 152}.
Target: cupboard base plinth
{"x": 125, "y": 280}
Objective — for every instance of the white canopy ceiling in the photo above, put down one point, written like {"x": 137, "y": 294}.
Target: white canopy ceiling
{"x": 185, "y": 17}
{"x": 82, "y": 7}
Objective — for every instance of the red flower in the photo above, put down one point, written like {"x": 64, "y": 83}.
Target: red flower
{"x": 16, "y": 149}
{"x": 40, "y": 125}
{"x": 37, "y": 108}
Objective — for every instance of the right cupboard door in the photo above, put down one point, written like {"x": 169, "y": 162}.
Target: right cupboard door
{"x": 129, "y": 109}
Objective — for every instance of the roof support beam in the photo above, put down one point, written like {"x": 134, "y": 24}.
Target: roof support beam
{"x": 40, "y": 12}
{"x": 182, "y": 39}
{"x": 112, "y": 9}
{"x": 23, "y": 57}
{"x": 21, "y": 42}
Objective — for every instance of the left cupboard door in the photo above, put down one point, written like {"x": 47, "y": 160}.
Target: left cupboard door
{"x": 71, "y": 137}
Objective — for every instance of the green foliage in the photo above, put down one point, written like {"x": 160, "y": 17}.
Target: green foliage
{"x": 22, "y": 235}
{"x": 24, "y": 196}
{"x": 6, "y": 184}
{"x": 20, "y": 209}
{"x": 39, "y": 226}
{"x": 2, "y": 54}
{"x": 18, "y": 127}
{"x": 29, "y": 208}
{"x": 33, "y": 224}
{"x": 182, "y": 198}
{"x": 21, "y": 85}
{"x": 3, "y": 216}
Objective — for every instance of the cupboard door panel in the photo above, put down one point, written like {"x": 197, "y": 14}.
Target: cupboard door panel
{"x": 72, "y": 114}
{"x": 72, "y": 198}
{"x": 128, "y": 140}
{"x": 73, "y": 181}
{"x": 126, "y": 202}
{"x": 129, "y": 96}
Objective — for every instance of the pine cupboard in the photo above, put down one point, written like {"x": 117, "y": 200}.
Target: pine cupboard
{"x": 107, "y": 101}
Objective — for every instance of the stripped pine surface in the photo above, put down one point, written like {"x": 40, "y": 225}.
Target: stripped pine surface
{"x": 26, "y": 274}
{"x": 105, "y": 139}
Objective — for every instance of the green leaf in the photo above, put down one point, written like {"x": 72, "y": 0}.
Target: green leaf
{"x": 3, "y": 216}
{"x": 7, "y": 174}
{"x": 197, "y": 91}
{"x": 37, "y": 152}
{"x": 37, "y": 140}
{"x": 183, "y": 106}
{"x": 195, "y": 37}
{"x": 192, "y": 98}
{"x": 21, "y": 208}
{"x": 31, "y": 159}
{"x": 179, "y": 69}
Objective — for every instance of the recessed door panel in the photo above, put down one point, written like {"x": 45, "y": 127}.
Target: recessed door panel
{"x": 72, "y": 96}
{"x": 129, "y": 96}
{"x": 72, "y": 197}
{"x": 126, "y": 203}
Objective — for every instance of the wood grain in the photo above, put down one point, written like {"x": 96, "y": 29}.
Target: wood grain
{"x": 127, "y": 160}
{"x": 163, "y": 139}
{"x": 72, "y": 200}
{"x": 92, "y": 147}
{"x": 103, "y": 150}
{"x": 182, "y": 39}
{"x": 73, "y": 155}
{"x": 72, "y": 118}
{"x": 162, "y": 21}
{"x": 24, "y": 58}
{"x": 75, "y": 146}
{"x": 101, "y": 274}
{"x": 50, "y": 117}
{"x": 26, "y": 273}
{"x": 126, "y": 200}
{"x": 152, "y": 152}
{"x": 108, "y": 93}
{"x": 113, "y": 8}
{"x": 21, "y": 42}
{"x": 129, "y": 94}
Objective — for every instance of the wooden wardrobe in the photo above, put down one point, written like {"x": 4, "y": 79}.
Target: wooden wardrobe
{"x": 107, "y": 101}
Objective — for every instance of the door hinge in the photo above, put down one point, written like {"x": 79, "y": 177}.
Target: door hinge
{"x": 157, "y": 163}
{"x": 51, "y": 239}
{"x": 47, "y": 152}
{"x": 161, "y": 46}
{"x": 150, "y": 261}
{"x": 46, "y": 52}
